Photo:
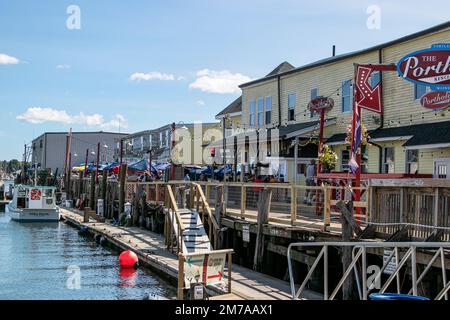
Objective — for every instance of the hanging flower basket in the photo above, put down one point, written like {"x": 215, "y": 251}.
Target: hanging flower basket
{"x": 327, "y": 159}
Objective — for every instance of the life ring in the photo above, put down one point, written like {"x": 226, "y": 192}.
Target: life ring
{"x": 35, "y": 194}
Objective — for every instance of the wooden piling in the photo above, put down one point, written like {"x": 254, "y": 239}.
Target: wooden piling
{"x": 122, "y": 186}
{"x": 92, "y": 193}
{"x": 262, "y": 219}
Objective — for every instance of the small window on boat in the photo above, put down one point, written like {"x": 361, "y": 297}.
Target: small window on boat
{"x": 48, "y": 193}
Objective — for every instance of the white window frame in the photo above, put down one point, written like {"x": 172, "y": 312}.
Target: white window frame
{"x": 350, "y": 96}
{"x": 290, "y": 108}
{"x": 384, "y": 160}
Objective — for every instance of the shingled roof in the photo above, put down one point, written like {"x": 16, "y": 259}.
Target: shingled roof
{"x": 234, "y": 107}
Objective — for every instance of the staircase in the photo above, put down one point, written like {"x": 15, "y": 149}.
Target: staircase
{"x": 195, "y": 238}
{"x": 187, "y": 225}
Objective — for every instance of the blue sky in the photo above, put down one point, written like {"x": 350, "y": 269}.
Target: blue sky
{"x": 144, "y": 64}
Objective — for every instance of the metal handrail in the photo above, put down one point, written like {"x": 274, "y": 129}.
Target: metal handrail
{"x": 360, "y": 251}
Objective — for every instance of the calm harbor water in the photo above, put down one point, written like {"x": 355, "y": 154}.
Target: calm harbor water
{"x": 39, "y": 261}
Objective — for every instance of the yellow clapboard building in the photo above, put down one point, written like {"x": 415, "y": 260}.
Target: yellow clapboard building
{"x": 406, "y": 139}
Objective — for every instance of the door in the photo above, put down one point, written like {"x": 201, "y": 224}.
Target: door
{"x": 442, "y": 168}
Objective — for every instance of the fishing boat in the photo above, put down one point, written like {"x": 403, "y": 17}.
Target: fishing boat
{"x": 33, "y": 204}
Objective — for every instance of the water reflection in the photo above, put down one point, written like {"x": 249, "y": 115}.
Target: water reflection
{"x": 128, "y": 277}
{"x": 35, "y": 257}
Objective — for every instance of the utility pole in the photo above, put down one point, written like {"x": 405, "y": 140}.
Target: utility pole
{"x": 98, "y": 161}
{"x": 173, "y": 147}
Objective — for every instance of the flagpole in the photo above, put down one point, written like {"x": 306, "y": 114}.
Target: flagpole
{"x": 356, "y": 108}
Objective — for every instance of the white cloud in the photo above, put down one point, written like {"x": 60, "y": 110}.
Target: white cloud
{"x": 5, "y": 59}
{"x": 219, "y": 81}
{"x": 200, "y": 103}
{"x": 37, "y": 115}
{"x": 154, "y": 75}
{"x": 63, "y": 66}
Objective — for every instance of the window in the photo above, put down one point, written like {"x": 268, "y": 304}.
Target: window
{"x": 40, "y": 144}
{"x": 388, "y": 160}
{"x": 420, "y": 90}
{"x": 268, "y": 110}
{"x": 345, "y": 158}
{"x": 161, "y": 140}
{"x": 314, "y": 94}
{"x": 347, "y": 96}
{"x": 375, "y": 79}
{"x": 412, "y": 165}
{"x": 251, "y": 111}
{"x": 291, "y": 106}
{"x": 167, "y": 137}
{"x": 260, "y": 111}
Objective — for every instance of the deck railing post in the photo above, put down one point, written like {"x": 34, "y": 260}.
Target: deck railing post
{"x": 327, "y": 207}
{"x": 180, "y": 277}
{"x": 436, "y": 209}
{"x": 243, "y": 200}
{"x": 293, "y": 204}
{"x": 230, "y": 262}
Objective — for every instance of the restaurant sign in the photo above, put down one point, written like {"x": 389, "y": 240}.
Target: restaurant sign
{"x": 435, "y": 100}
{"x": 321, "y": 103}
{"x": 430, "y": 67}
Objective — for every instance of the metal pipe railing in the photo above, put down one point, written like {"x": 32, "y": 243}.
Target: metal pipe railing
{"x": 360, "y": 252}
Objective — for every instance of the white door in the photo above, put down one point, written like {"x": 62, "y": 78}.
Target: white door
{"x": 442, "y": 168}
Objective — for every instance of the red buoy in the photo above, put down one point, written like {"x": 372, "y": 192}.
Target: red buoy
{"x": 128, "y": 259}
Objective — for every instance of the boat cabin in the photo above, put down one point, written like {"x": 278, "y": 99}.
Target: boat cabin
{"x": 34, "y": 197}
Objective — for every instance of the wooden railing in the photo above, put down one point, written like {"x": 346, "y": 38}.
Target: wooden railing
{"x": 205, "y": 207}
{"x": 422, "y": 205}
{"x": 174, "y": 214}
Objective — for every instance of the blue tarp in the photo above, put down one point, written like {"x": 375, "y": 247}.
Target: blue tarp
{"x": 110, "y": 166}
{"x": 162, "y": 166}
{"x": 141, "y": 166}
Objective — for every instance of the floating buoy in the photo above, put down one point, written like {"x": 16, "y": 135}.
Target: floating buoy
{"x": 128, "y": 259}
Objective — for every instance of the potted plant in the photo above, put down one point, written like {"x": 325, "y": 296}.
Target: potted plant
{"x": 327, "y": 159}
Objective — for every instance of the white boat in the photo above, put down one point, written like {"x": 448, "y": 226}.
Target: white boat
{"x": 33, "y": 204}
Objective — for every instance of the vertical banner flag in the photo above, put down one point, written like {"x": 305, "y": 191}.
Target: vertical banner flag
{"x": 356, "y": 138}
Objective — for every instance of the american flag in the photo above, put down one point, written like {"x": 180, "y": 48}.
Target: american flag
{"x": 357, "y": 139}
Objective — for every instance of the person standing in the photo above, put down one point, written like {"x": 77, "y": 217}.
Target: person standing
{"x": 311, "y": 172}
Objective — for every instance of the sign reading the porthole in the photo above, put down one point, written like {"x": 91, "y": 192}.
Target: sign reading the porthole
{"x": 321, "y": 104}
{"x": 429, "y": 67}
{"x": 435, "y": 100}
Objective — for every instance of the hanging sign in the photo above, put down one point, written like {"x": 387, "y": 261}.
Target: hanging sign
{"x": 321, "y": 103}
{"x": 392, "y": 265}
{"x": 429, "y": 67}
{"x": 246, "y": 232}
{"x": 207, "y": 269}
{"x": 436, "y": 100}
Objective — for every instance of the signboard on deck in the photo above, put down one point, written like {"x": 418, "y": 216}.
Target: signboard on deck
{"x": 207, "y": 269}
{"x": 436, "y": 100}
{"x": 429, "y": 67}
{"x": 390, "y": 268}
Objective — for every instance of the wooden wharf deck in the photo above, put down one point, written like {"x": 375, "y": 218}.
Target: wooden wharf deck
{"x": 151, "y": 250}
